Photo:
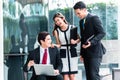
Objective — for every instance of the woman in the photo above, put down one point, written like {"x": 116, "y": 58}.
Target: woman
{"x": 68, "y": 52}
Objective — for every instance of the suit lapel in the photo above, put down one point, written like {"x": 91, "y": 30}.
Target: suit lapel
{"x": 88, "y": 17}
{"x": 50, "y": 54}
{"x": 87, "y": 20}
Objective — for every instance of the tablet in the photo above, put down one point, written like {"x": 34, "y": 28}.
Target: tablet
{"x": 73, "y": 33}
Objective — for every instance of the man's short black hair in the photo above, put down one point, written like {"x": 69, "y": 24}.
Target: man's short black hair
{"x": 79, "y": 5}
{"x": 42, "y": 35}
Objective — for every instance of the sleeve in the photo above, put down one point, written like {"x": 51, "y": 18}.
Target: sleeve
{"x": 99, "y": 31}
{"x": 59, "y": 61}
{"x": 25, "y": 67}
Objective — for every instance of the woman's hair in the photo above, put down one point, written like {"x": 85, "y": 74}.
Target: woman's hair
{"x": 59, "y": 15}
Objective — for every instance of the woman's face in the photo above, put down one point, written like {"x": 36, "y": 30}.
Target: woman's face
{"x": 59, "y": 21}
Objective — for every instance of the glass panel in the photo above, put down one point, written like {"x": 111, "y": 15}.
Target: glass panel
{"x": 21, "y": 25}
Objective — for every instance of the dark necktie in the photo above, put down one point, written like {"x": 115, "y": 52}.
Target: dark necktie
{"x": 44, "y": 60}
{"x": 83, "y": 22}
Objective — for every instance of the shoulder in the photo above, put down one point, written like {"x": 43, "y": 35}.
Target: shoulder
{"x": 94, "y": 16}
{"x": 53, "y": 48}
{"x": 56, "y": 32}
{"x": 91, "y": 15}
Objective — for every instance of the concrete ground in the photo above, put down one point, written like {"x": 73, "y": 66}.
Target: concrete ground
{"x": 104, "y": 72}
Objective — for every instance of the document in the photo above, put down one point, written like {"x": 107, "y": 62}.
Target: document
{"x": 73, "y": 33}
{"x": 44, "y": 69}
{"x": 90, "y": 38}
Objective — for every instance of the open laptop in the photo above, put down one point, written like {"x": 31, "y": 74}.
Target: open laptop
{"x": 44, "y": 69}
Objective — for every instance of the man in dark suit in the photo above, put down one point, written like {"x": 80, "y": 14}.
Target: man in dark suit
{"x": 91, "y": 32}
{"x": 36, "y": 57}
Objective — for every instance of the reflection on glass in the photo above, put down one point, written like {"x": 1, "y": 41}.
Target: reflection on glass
{"x": 22, "y": 23}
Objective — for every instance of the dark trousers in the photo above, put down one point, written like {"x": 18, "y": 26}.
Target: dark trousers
{"x": 92, "y": 68}
{"x": 43, "y": 77}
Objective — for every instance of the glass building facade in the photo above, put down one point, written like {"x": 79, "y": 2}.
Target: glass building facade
{"x": 37, "y": 15}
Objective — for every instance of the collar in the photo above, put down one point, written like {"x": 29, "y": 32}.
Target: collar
{"x": 42, "y": 49}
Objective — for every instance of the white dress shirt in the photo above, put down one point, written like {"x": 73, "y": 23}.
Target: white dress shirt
{"x": 42, "y": 53}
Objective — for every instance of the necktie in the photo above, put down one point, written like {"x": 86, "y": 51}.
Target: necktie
{"x": 44, "y": 60}
{"x": 83, "y": 23}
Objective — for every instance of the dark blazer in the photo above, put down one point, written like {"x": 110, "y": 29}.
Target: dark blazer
{"x": 92, "y": 26}
{"x": 55, "y": 60}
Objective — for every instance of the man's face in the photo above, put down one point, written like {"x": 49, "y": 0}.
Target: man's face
{"x": 47, "y": 42}
{"x": 80, "y": 13}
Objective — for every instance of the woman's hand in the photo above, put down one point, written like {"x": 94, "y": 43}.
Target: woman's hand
{"x": 73, "y": 41}
{"x": 57, "y": 45}
{"x": 53, "y": 45}
{"x": 81, "y": 59}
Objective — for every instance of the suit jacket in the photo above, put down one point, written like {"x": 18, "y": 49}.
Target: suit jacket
{"x": 55, "y": 60}
{"x": 92, "y": 26}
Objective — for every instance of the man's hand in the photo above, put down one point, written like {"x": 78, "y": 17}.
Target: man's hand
{"x": 31, "y": 63}
{"x": 86, "y": 45}
{"x": 56, "y": 72}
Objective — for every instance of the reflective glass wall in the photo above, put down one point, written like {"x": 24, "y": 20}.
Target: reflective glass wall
{"x": 22, "y": 23}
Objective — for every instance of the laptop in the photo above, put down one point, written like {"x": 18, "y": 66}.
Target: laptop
{"x": 44, "y": 69}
